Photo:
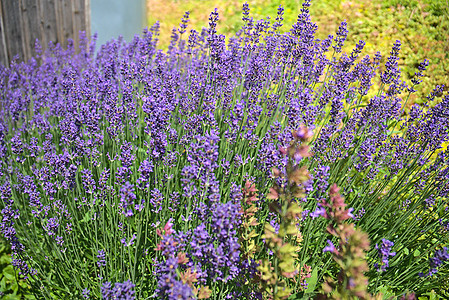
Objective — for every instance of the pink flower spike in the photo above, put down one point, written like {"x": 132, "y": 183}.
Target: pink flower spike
{"x": 283, "y": 150}
{"x": 168, "y": 228}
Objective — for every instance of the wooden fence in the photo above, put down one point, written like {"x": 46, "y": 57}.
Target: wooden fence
{"x": 24, "y": 21}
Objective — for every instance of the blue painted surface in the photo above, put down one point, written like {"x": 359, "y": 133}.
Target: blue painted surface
{"x": 111, "y": 18}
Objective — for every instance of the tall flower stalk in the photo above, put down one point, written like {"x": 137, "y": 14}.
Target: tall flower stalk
{"x": 287, "y": 190}
{"x": 351, "y": 282}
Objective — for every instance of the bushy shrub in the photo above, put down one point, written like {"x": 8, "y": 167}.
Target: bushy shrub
{"x": 208, "y": 170}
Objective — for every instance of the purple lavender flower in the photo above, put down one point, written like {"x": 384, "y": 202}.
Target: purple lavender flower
{"x": 438, "y": 90}
{"x": 22, "y": 266}
{"x": 145, "y": 169}
{"x": 220, "y": 261}
{"x": 245, "y": 12}
{"x": 123, "y": 175}
{"x": 101, "y": 262}
{"x": 213, "y": 19}
{"x": 384, "y": 251}
{"x": 86, "y": 293}
{"x": 183, "y": 25}
{"x": 88, "y": 181}
{"x": 131, "y": 241}
{"x": 360, "y": 213}
{"x": 330, "y": 247}
{"x": 340, "y": 37}
{"x": 168, "y": 285}
{"x": 321, "y": 178}
{"x": 280, "y": 17}
{"x": 126, "y": 156}
{"x": 52, "y": 226}
{"x": 124, "y": 291}
{"x": 365, "y": 71}
{"x": 198, "y": 177}
{"x": 127, "y": 199}
{"x": 106, "y": 290}
{"x": 166, "y": 270}
{"x": 156, "y": 201}
{"x": 440, "y": 257}
{"x": 319, "y": 211}
{"x": 391, "y": 65}
{"x": 416, "y": 78}
{"x": 16, "y": 145}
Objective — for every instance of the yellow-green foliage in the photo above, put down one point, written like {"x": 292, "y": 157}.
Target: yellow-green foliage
{"x": 421, "y": 25}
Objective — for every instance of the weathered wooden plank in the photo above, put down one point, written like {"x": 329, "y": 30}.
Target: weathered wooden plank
{"x": 59, "y": 20}
{"x": 82, "y": 14}
{"x": 13, "y": 29}
{"x": 66, "y": 22}
{"x": 47, "y": 14}
{"x": 81, "y": 18}
{"x": 30, "y": 26}
{"x": 86, "y": 14}
{"x": 3, "y": 51}
{"x": 77, "y": 20}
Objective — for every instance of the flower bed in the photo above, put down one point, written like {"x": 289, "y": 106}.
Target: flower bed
{"x": 256, "y": 168}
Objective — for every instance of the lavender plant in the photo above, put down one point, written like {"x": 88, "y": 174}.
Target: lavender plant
{"x": 123, "y": 174}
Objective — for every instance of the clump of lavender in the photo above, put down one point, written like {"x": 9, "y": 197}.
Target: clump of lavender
{"x": 120, "y": 290}
{"x": 172, "y": 282}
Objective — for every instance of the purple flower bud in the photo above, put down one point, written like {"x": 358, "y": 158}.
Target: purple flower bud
{"x": 340, "y": 37}
{"x": 86, "y": 293}
{"x": 319, "y": 211}
{"x": 391, "y": 65}
{"x": 183, "y": 25}
{"x": 330, "y": 247}
{"x": 384, "y": 251}
{"x": 127, "y": 199}
{"x": 101, "y": 262}
{"x": 440, "y": 257}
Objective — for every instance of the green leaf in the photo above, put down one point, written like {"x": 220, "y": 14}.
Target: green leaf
{"x": 312, "y": 281}
{"x": 432, "y": 295}
{"x": 11, "y": 297}
{"x": 5, "y": 259}
{"x": 15, "y": 288}
{"x": 386, "y": 292}
{"x": 416, "y": 253}
{"x": 3, "y": 284}
{"x": 9, "y": 273}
